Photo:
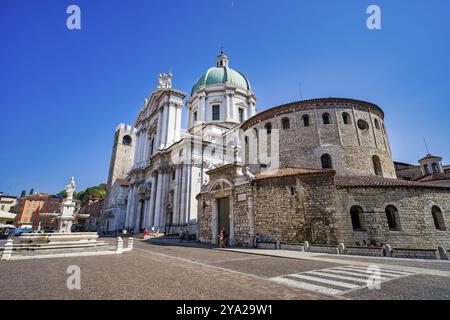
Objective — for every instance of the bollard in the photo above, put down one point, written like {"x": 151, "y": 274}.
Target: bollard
{"x": 341, "y": 248}
{"x": 306, "y": 246}
{"x": 442, "y": 253}
{"x": 387, "y": 250}
{"x": 130, "y": 244}
{"x": 7, "y": 250}
{"x": 278, "y": 245}
{"x": 119, "y": 248}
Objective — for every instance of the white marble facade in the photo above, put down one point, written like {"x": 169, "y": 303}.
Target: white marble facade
{"x": 170, "y": 164}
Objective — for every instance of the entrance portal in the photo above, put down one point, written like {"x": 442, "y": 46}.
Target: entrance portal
{"x": 224, "y": 215}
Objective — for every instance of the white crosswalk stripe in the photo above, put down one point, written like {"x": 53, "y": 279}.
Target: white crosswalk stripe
{"x": 338, "y": 280}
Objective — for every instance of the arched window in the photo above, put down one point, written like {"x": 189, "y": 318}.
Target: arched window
{"x": 357, "y": 216}
{"x": 305, "y": 119}
{"x": 435, "y": 167}
{"x": 126, "y": 140}
{"x": 377, "y": 166}
{"x": 326, "y": 162}
{"x": 346, "y": 118}
{"x": 285, "y": 123}
{"x": 326, "y": 118}
{"x": 268, "y": 127}
{"x": 438, "y": 218}
{"x": 393, "y": 218}
{"x": 426, "y": 169}
{"x": 377, "y": 124}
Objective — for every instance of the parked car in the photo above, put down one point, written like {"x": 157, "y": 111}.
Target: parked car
{"x": 19, "y": 231}
{"x": 6, "y": 232}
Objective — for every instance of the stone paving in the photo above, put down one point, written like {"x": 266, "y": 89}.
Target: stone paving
{"x": 154, "y": 271}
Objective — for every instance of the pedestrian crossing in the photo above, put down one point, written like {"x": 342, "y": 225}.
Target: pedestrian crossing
{"x": 340, "y": 280}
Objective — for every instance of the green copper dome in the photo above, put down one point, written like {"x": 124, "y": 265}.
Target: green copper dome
{"x": 222, "y": 74}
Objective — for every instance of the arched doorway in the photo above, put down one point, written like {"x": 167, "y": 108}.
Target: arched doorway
{"x": 223, "y": 206}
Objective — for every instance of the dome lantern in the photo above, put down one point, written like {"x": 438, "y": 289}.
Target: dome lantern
{"x": 222, "y": 60}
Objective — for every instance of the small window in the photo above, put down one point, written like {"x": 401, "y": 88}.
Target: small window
{"x": 268, "y": 127}
{"x": 326, "y": 118}
{"x": 438, "y": 218}
{"x": 292, "y": 190}
{"x": 126, "y": 140}
{"x": 363, "y": 125}
{"x": 346, "y": 118}
{"x": 393, "y": 218}
{"x": 326, "y": 162}
{"x": 215, "y": 112}
{"x": 195, "y": 117}
{"x": 377, "y": 124}
{"x": 213, "y": 152}
{"x": 305, "y": 119}
{"x": 285, "y": 123}
{"x": 173, "y": 175}
{"x": 377, "y": 166}
{"x": 241, "y": 115}
{"x": 426, "y": 169}
{"x": 435, "y": 167}
{"x": 357, "y": 216}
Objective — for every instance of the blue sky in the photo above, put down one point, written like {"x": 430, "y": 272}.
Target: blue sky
{"x": 63, "y": 92}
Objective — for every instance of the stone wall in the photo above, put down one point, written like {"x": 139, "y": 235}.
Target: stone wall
{"x": 417, "y": 228}
{"x": 350, "y": 147}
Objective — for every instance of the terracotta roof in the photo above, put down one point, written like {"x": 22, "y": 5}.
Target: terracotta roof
{"x": 123, "y": 182}
{"x": 379, "y": 182}
{"x": 286, "y": 172}
{"x": 429, "y": 156}
{"x": 435, "y": 176}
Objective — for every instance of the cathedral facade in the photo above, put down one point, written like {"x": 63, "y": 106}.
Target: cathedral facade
{"x": 170, "y": 164}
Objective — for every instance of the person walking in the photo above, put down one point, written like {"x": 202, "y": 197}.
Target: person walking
{"x": 222, "y": 238}
{"x": 180, "y": 235}
{"x": 257, "y": 240}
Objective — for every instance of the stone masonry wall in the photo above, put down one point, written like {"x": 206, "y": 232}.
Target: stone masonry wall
{"x": 350, "y": 147}
{"x": 295, "y": 215}
{"x": 417, "y": 229}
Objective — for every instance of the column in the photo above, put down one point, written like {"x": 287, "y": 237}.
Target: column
{"x": 151, "y": 207}
{"x": 227, "y": 106}
{"x": 187, "y": 196}
{"x": 201, "y": 114}
{"x": 176, "y": 204}
{"x": 182, "y": 193}
{"x": 145, "y": 148}
{"x": 178, "y": 122}
{"x": 232, "y": 108}
{"x": 164, "y": 127}
{"x": 164, "y": 193}
{"x": 158, "y": 131}
{"x": 135, "y": 159}
{"x": 132, "y": 207}
{"x": 127, "y": 212}
{"x": 158, "y": 200}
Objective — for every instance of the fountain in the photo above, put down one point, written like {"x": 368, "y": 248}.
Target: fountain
{"x": 63, "y": 237}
